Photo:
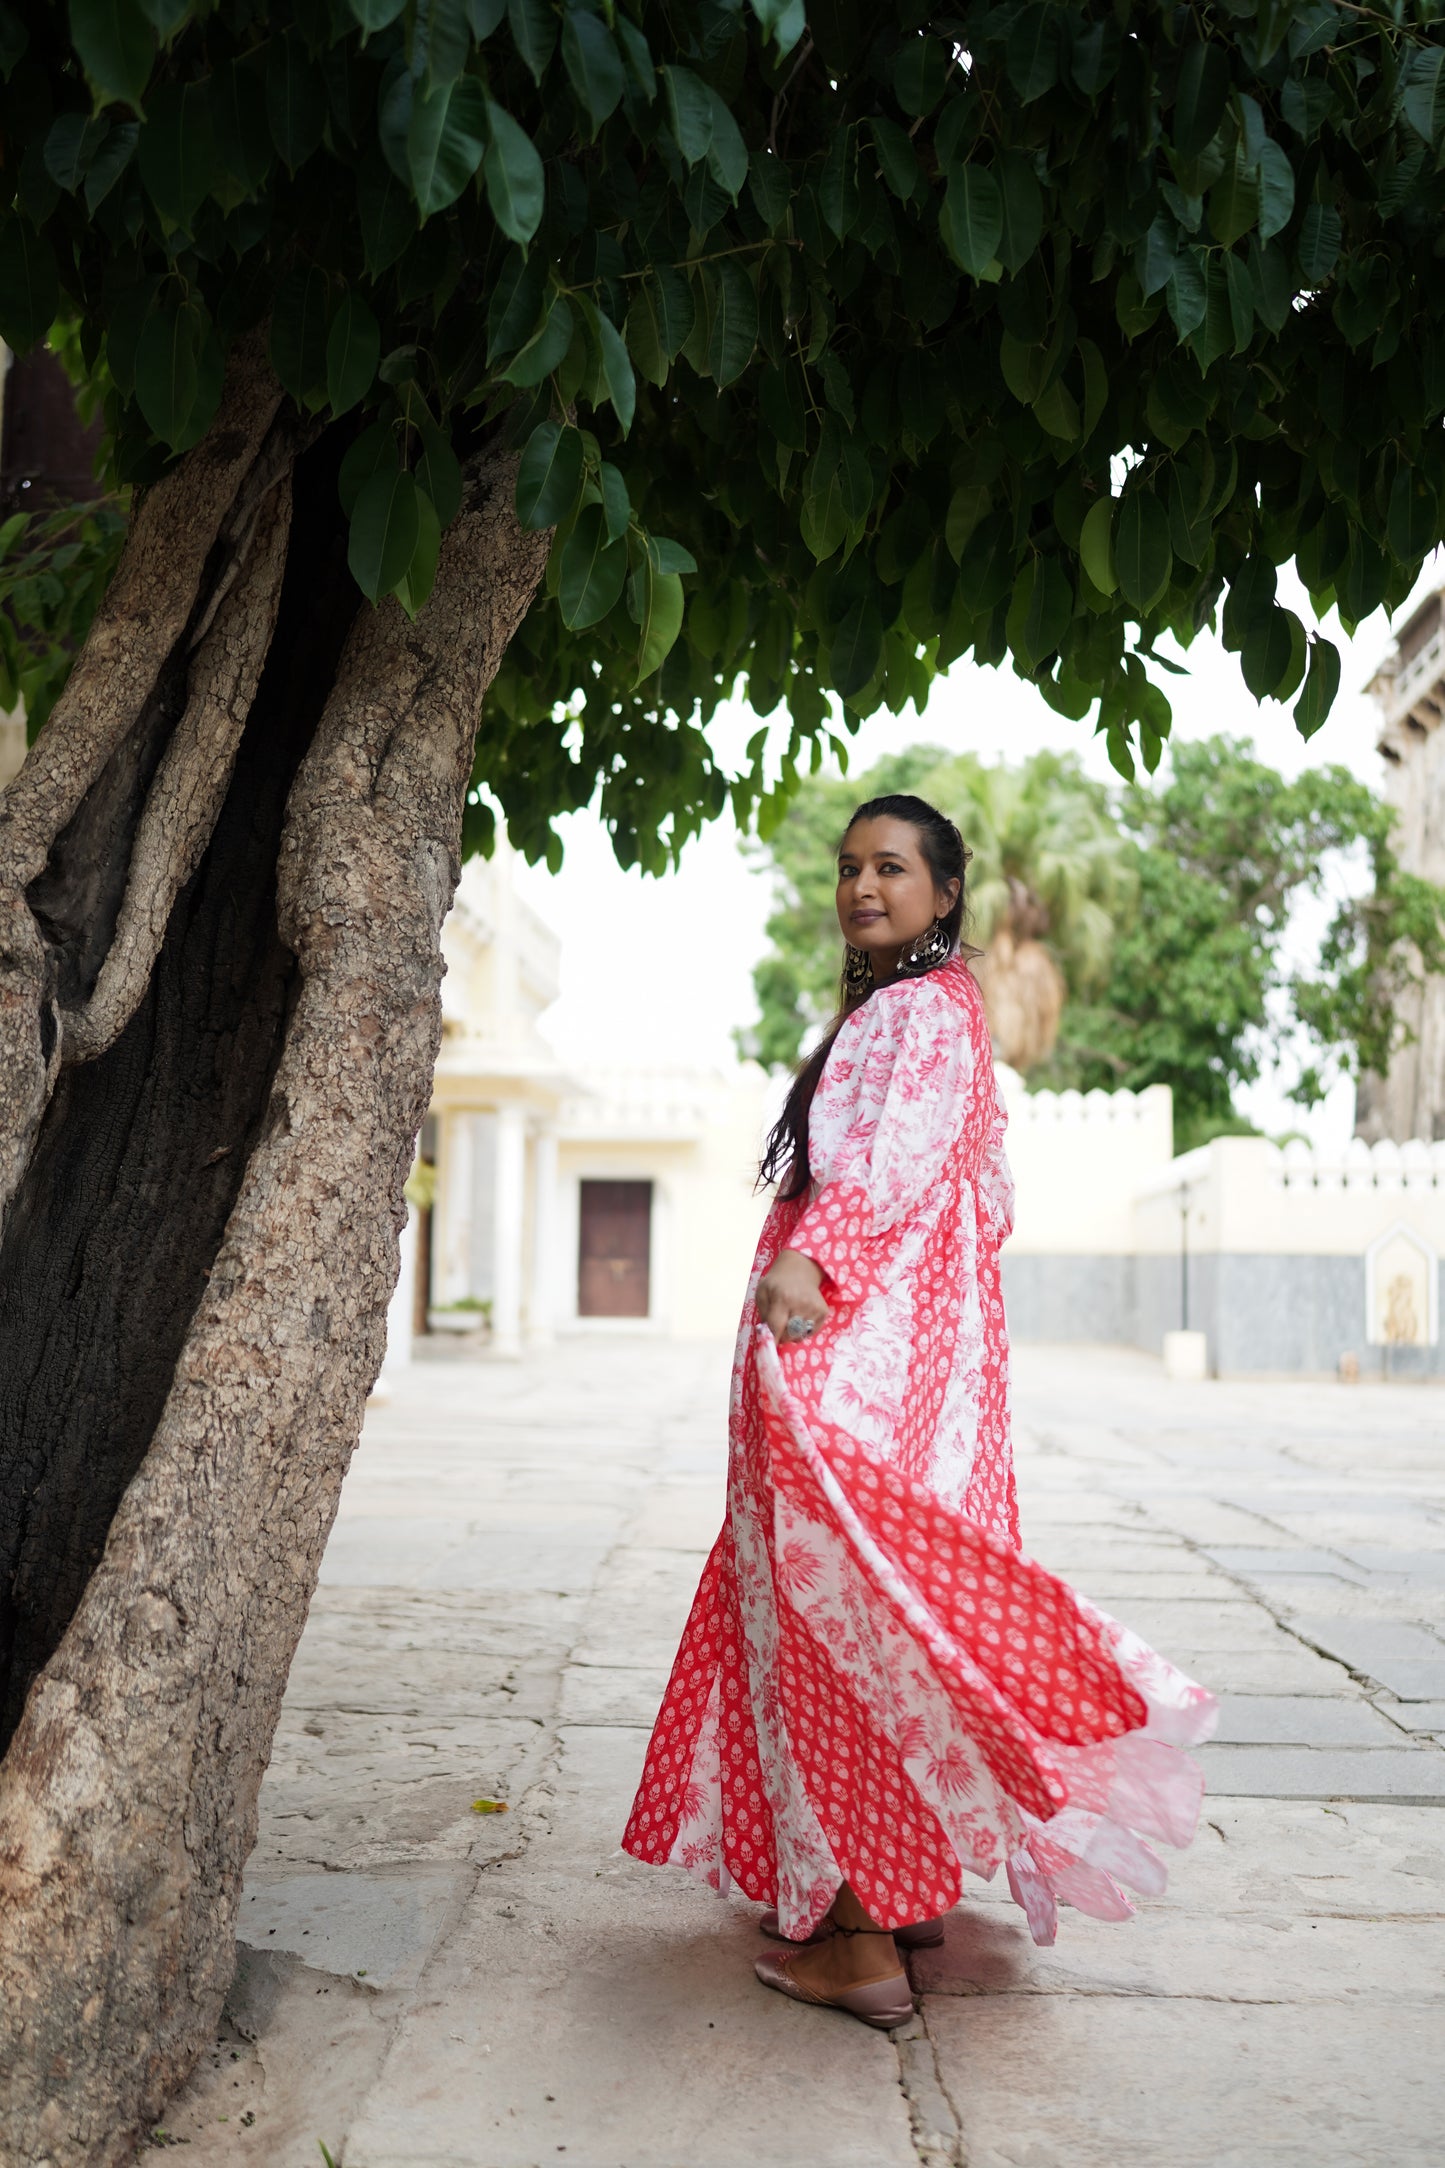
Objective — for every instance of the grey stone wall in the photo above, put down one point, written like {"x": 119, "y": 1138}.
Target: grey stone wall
{"x": 1261, "y": 1314}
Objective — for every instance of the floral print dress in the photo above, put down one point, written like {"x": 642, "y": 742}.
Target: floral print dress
{"x": 875, "y": 1684}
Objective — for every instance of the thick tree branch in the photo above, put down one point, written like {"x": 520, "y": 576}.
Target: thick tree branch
{"x": 192, "y": 779}
{"x": 128, "y": 1796}
{"x": 159, "y": 589}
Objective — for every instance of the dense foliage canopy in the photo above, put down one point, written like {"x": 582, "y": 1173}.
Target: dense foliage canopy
{"x": 1190, "y": 982}
{"x": 840, "y": 341}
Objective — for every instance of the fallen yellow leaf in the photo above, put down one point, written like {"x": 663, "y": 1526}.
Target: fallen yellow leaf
{"x": 489, "y": 1806}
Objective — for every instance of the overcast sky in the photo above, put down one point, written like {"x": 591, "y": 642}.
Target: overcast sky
{"x": 660, "y": 971}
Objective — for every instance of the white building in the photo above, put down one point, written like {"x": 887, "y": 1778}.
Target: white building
{"x": 556, "y": 1200}
{"x": 1288, "y": 1261}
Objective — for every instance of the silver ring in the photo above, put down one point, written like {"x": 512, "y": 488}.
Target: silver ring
{"x": 800, "y": 1328}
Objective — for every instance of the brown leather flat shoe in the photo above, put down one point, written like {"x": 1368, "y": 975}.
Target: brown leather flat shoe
{"x": 882, "y": 2003}
{"x": 922, "y": 1935}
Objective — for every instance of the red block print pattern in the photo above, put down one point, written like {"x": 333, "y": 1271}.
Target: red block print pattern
{"x": 875, "y": 1684}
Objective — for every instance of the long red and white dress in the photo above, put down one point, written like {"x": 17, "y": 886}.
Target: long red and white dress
{"x": 875, "y": 1684}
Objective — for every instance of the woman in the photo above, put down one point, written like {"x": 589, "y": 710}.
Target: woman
{"x": 876, "y": 1689}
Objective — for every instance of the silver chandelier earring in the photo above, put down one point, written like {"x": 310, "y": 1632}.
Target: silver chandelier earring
{"x": 857, "y": 970}
{"x": 927, "y": 952}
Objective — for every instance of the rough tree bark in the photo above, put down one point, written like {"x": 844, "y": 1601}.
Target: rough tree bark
{"x": 223, "y": 875}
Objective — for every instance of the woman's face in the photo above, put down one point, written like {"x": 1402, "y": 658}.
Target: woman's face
{"x": 886, "y": 895}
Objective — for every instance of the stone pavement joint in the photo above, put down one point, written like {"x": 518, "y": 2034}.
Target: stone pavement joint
{"x": 421, "y": 1986}
{"x": 932, "y": 2117}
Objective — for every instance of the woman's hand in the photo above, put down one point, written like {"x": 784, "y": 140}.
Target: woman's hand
{"x": 790, "y": 1289}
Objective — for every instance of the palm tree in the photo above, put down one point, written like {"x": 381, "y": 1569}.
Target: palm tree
{"x": 1051, "y": 875}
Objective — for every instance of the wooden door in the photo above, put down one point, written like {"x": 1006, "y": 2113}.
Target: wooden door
{"x": 614, "y": 1250}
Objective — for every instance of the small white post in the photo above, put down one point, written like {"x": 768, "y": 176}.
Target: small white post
{"x": 541, "y": 1308}
{"x": 508, "y": 1223}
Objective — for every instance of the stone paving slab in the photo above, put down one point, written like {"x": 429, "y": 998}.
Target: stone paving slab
{"x": 426, "y": 1988}
{"x": 1137, "y": 2082}
{"x": 1302, "y": 1720}
{"x": 1297, "y": 1772}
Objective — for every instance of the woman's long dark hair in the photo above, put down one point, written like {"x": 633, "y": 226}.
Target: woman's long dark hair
{"x": 785, "y": 1156}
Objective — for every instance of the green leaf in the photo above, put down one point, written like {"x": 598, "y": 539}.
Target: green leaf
{"x": 1414, "y": 516}
{"x": 110, "y": 162}
{"x": 1319, "y": 243}
{"x": 298, "y": 336}
{"x": 534, "y": 33}
{"x": 1187, "y": 293}
{"x": 689, "y": 112}
{"x": 897, "y": 159}
{"x": 1023, "y": 210}
{"x": 549, "y": 475}
{"x": 117, "y": 47}
{"x": 659, "y": 600}
{"x": 920, "y": 70}
{"x": 295, "y": 100}
{"x": 782, "y": 21}
{"x": 1276, "y": 191}
{"x": 971, "y": 221}
{"x": 616, "y": 504}
{"x": 1143, "y": 558}
{"x": 734, "y": 323}
{"x": 1200, "y": 98}
{"x": 1096, "y": 545}
{"x": 659, "y": 321}
{"x": 484, "y": 16}
{"x": 438, "y": 471}
{"x": 856, "y": 647}
{"x": 636, "y": 56}
{"x": 70, "y": 145}
{"x": 445, "y": 138}
{"x": 388, "y": 215}
{"x": 1265, "y": 656}
{"x": 591, "y": 571}
{"x": 448, "y": 42}
{"x": 670, "y": 556}
{"x": 394, "y": 102}
{"x": 1234, "y": 200}
{"x": 1031, "y": 56}
{"x": 414, "y": 587}
{"x": 238, "y": 119}
{"x": 617, "y": 369}
{"x": 353, "y": 349}
{"x": 727, "y": 153}
{"x": 516, "y": 185}
{"x": 384, "y": 529}
{"x": 1320, "y": 688}
{"x": 1040, "y": 611}
{"x": 178, "y": 161}
{"x": 1424, "y": 101}
{"x": 167, "y": 372}
{"x": 546, "y": 348}
{"x": 967, "y": 506}
{"x": 376, "y": 14}
{"x": 592, "y": 61}
{"x": 29, "y": 285}
{"x": 374, "y": 452}
{"x": 838, "y": 183}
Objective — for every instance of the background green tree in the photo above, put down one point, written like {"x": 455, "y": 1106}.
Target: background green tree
{"x": 602, "y": 360}
{"x": 1163, "y": 908}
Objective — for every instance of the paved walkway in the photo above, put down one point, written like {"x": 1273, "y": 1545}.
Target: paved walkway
{"x": 422, "y": 1986}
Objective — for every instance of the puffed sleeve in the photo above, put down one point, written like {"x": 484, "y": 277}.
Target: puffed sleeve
{"x": 887, "y": 1113}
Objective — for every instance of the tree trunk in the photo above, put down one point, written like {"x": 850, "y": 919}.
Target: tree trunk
{"x": 223, "y": 874}
{"x": 1023, "y": 998}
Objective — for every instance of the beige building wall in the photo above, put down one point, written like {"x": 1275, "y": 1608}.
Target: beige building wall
{"x": 696, "y": 1138}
